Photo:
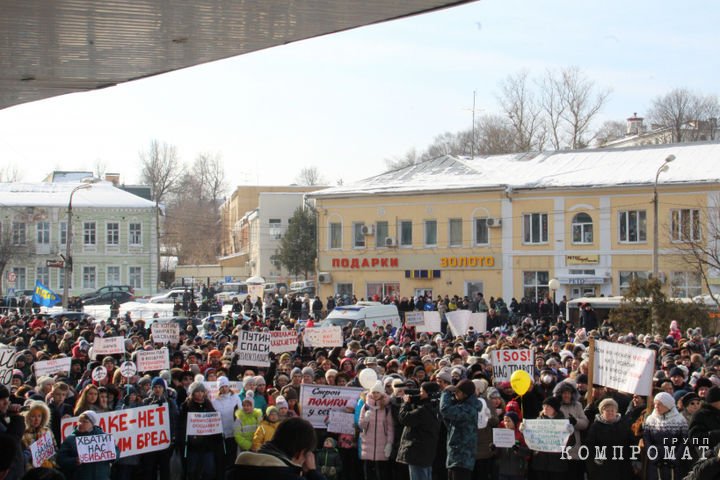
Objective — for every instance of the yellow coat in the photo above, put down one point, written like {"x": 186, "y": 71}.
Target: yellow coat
{"x": 263, "y": 434}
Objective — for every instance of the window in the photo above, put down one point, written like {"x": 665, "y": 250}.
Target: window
{"x": 20, "y": 278}
{"x": 381, "y": 233}
{"x": 113, "y": 276}
{"x": 89, "y": 237}
{"x": 582, "y": 228}
{"x": 535, "y": 227}
{"x": 430, "y": 233}
{"x": 581, "y": 271}
{"x": 633, "y": 226}
{"x": 135, "y": 277}
{"x": 135, "y": 234}
{"x": 380, "y": 290}
{"x": 63, "y": 233}
{"x": 43, "y": 233}
{"x": 18, "y": 233}
{"x": 685, "y": 225}
{"x": 482, "y": 236}
{"x": 535, "y": 285}
{"x": 43, "y": 275}
{"x": 406, "y": 233}
{"x": 275, "y": 228}
{"x": 685, "y": 284}
{"x": 88, "y": 277}
{"x": 358, "y": 235}
{"x": 113, "y": 234}
{"x": 345, "y": 290}
{"x": 336, "y": 235}
{"x": 456, "y": 233}
{"x": 626, "y": 278}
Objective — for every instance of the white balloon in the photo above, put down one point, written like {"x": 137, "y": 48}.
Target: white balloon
{"x": 368, "y": 377}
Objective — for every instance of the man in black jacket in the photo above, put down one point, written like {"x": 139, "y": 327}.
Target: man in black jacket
{"x": 418, "y": 444}
{"x": 12, "y": 427}
{"x": 705, "y": 424}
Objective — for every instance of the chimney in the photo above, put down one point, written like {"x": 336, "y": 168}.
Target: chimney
{"x": 113, "y": 177}
{"x": 634, "y": 125}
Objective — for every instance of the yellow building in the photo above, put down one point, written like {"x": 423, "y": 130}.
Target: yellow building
{"x": 506, "y": 225}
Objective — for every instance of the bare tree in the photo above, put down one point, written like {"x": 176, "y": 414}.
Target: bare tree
{"x": 10, "y": 173}
{"x": 310, "y": 176}
{"x": 690, "y": 116}
{"x": 396, "y": 163}
{"x": 524, "y": 113}
{"x": 581, "y": 104}
{"x": 100, "y": 168}
{"x": 553, "y": 108}
{"x": 609, "y": 131}
{"x": 495, "y": 136}
{"x": 210, "y": 173}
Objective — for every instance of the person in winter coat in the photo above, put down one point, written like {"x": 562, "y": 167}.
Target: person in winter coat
{"x": 68, "y": 458}
{"x": 664, "y": 426}
{"x": 708, "y": 469}
{"x": 12, "y": 426}
{"x": 420, "y": 420}
{"x": 512, "y": 463}
{"x": 376, "y": 434}
{"x": 227, "y": 403}
{"x": 265, "y": 431}
{"x": 487, "y": 420}
{"x": 160, "y": 460}
{"x": 550, "y": 465}
{"x": 572, "y": 409}
{"x": 328, "y": 459}
{"x": 705, "y": 425}
{"x": 200, "y": 452}
{"x": 610, "y": 430}
{"x": 459, "y": 409}
{"x": 37, "y": 423}
{"x": 247, "y": 420}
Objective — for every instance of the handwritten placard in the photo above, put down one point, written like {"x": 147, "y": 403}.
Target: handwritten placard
{"x": 108, "y": 345}
{"x": 624, "y": 368}
{"x": 152, "y": 360}
{"x": 341, "y": 422}
{"x": 51, "y": 367}
{"x": 505, "y": 362}
{"x": 165, "y": 332}
{"x": 283, "y": 341}
{"x": 253, "y": 349}
{"x": 415, "y": 319}
{"x": 7, "y": 364}
{"x": 204, "y": 423}
{"x": 323, "y": 337}
{"x": 43, "y": 449}
{"x": 544, "y": 435}
{"x": 95, "y": 448}
{"x": 503, "y": 437}
{"x": 318, "y": 401}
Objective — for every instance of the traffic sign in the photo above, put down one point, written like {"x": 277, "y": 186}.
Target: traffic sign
{"x": 54, "y": 263}
{"x": 12, "y": 276}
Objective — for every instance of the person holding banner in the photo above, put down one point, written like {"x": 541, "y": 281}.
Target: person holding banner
{"x": 68, "y": 457}
{"x": 201, "y": 453}
{"x": 159, "y": 461}
{"x": 37, "y": 421}
{"x": 227, "y": 403}
{"x": 550, "y": 464}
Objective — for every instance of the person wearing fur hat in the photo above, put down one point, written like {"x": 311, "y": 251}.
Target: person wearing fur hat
{"x": 248, "y": 419}
{"x": 665, "y": 426}
{"x": 705, "y": 424}
{"x": 572, "y": 409}
{"x": 610, "y": 430}
{"x": 459, "y": 409}
{"x": 201, "y": 453}
{"x": 67, "y": 457}
{"x": 37, "y": 423}
{"x": 266, "y": 429}
{"x": 544, "y": 464}
{"x": 160, "y": 460}
{"x": 376, "y": 434}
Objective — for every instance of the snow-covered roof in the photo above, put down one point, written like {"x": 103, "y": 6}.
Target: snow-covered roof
{"x": 99, "y": 195}
{"x": 694, "y": 163}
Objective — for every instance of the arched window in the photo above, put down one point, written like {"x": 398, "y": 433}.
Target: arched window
{"x": 582, "y": 228}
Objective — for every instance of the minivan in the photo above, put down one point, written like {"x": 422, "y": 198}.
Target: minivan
{"x": 364, "y": 314}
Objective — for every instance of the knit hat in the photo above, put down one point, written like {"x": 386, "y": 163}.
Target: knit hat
{"x": 514, "y": 417}
{"x": 713, "y": 395}
{"x": 430, "y": 388}
{"x": 272, "y": 409}
{"x": 481, "y": 385}
{"x": 689, "y": 397}
{"x": 249, "y": 397}
{"x": 677, "y": 371}
{"x": 222, "y": 381}
{"x": 331, "y": 373}
{"x": 467, "y": 387}
{"x": 378, "y": 387}
{"x": 445, "y": 376}
{"x": 196, "y": 387}
{"x": 296, "y": 371}
{"x": 554, "y": 402}
{"x": 91, "y": 416}
{"x": 158, "y": 381}
{"x": 669, "y": 402}
{"x": 308, "y": 371}
{"x": 280, "y": 402}
{"x": 607, "y": 402}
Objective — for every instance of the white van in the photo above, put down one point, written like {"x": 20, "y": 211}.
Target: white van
{"x": 232, "y": 290}
{"x": 364, "y": 314}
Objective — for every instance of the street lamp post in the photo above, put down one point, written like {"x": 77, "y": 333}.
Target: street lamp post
{"x": 554, "y": 284}
{"x": 68, "y": 250}
{"x": 663, "y": 168}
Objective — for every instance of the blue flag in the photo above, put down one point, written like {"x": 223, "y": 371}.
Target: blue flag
{"x": 43, "y": 296}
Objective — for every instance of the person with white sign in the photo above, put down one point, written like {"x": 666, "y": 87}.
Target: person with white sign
{"x": 37, "y": 425}
{"x": 201, "y": 452}
{"x": 159, "y": 461}
{"x": 550, "y": 464}
{"x": 226, "y": 403}
{"x": 511, "y": 460}
{"x": 68, "y": 458}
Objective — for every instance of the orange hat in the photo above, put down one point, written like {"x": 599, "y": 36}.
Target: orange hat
{"x": 215, "y": 353}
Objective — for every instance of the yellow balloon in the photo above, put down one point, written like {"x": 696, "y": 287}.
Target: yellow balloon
{"x": 521, "y": 382}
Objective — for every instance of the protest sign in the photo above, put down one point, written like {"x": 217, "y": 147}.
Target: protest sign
{"x": 51, "y": 367}
{"x": 99, "y": 373}
{"x": 165, "y": 332}
{"x": 95, "y": 448}
{"x": 283, "y": 341}
{"x": 7, "y": 364}
{"x": 255, "y": 292}
{"x": 505, "y": 362}
{"x": 323, "y": 337}
{"x": 135, "y": 430}
{"x": 212, "y": 388}
{"x": 503, "y": 437}
{"x": 433, "y": 323}
{"x": 253, "y": 349}
{"x": 204, "y": 423}
{"x": 478, "y": 321}
{"x": 546, "y": 435}
{"x": 458, "y": 321}
{"x": 341, "y": 422}
{"x": 622, "y": 367}
{"x": 152, "y": 360}
{"x": 43, "y": 449}
{"x": 108, "y": 345}
{"x": 128, "y": 369}
{"x": 415, "y": 319}
{"x": 317, "y": 401}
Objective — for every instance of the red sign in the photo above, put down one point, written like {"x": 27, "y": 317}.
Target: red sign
{"x": 54, "y": 263}
{"x": 359, "y": 263}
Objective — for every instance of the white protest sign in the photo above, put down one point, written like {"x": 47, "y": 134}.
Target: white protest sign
{"x": 458, "y": 321}
{"x": 152, "y": 360}
{"x": 505, "y": 362}
{"x": 165, "y": 332}
{"x": 95, "y": 448}
{"x": 624, "y": 368}
{"x": 478, "y": 321}
{"x": 51, "y": 367}
{"x": 415, "y": 319}
{"x": 128, "y": 369}
{"x": 317, "y": 401}
{"x": 433, "y": 322}
{"x": 255, "y": 292}
{"x": 212, "y": 388}
{"x": 341, "y": 422}
{"x": 7, "y": 364}
{"x": 204, "y": 423}
{"x": 253, "y": 349}
{"x": 43, "y": 449}
{"x": 135, "y": 430}
{"x": 323, "y": 337}
{"x": 283, "y": 341}
{"x": 99, "y": 373}
{"x": 108, "y": 345}
{"x": 546, "y": 435}
{"x": 503, "y": 437}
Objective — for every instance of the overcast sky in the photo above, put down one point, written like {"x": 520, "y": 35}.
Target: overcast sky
{"x": 347, "y": 102}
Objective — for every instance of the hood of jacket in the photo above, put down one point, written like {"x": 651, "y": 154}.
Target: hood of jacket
{"x": 567, "y": 384}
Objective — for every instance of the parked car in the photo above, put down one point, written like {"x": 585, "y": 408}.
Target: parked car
{"x": 363, "y": 314}
{"x": 302, "y": 286}
{"x": 231, "y": 290}
{"x": 107, "y": 289}
{"x": 108, "y": 297}
{"x": 275, "y": 287}
{"x": 72, "y": 316}
{"x": 172, "y": 295}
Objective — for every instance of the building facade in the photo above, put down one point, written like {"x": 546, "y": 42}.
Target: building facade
{"x": 113, "y": 237}
{"x": 506, "y": 225}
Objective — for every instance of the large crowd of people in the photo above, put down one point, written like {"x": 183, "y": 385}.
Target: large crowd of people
{"x": 430, "y": 413}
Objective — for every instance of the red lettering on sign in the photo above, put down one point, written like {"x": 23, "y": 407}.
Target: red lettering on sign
{"x": 354, "y": 263}
{"x": 375, "y": 262}
{"x": 335, "y": 262}
{"x": 345, "y": 263}
{"x": 384, "y": 262}
{"x": 394, "y": 262}
{"x": 365, "y": 263}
